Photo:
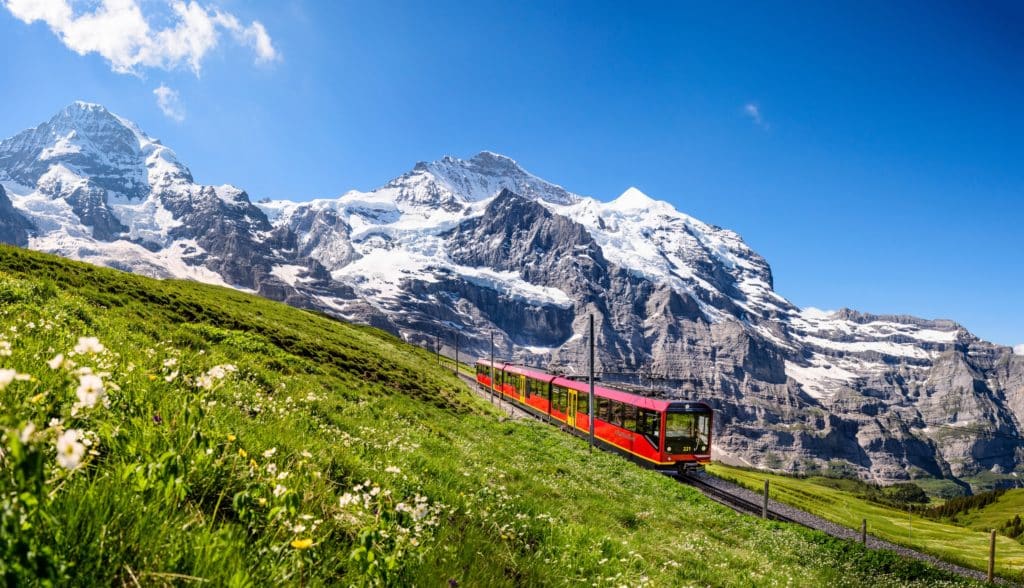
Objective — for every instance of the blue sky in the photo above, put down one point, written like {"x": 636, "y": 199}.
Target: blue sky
{"x": 883, "y": 170}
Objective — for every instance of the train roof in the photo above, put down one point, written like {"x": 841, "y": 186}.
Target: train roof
{"x": 647, "y": 402}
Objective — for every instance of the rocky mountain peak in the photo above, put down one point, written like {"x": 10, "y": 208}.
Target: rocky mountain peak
{"x": 633, "y": 199}
{"x": 90, "y": 142}
{"x": 452, "y": 182}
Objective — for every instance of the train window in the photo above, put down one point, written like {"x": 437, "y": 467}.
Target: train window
{"x": 649, "y": 425}
{"x": 582, "y": 403}
{"x": 615, "y": 417}
{"x": 703, "y": 433}
{"x": 629, "y": 417}
{"x": 602, "y": 409}
{"x": 558, "y": 398}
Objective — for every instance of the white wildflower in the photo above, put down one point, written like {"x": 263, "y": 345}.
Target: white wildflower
{"x": 269, "y": 453}
{"x": 56, "y": 362}
{"x": 279, "y": 490}
{"x": 26, "y": 433}
{"x": 170, "y": 362}
{"x": 346, "y": 499}
{"x": 392, "y": 470}
{"x": 90, "y": 390}
{"x": 7, "y": 376}
{"x": 69, "y": 450}
{"x": 419, "y": 512}
{"x": 5, "y": 348}
{"x": 88, "y": 345}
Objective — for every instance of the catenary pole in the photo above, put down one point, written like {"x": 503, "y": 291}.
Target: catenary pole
{"x": 590, "y": 398}
{"x": 456, "y": 354}
{"x": 492, "y": 366}
{"x": 437, "y": 346}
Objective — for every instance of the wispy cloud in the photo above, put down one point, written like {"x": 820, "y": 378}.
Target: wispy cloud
{"x": 1019, "y": 349}
{"x": 753, "y": 112}
{"x": 169, "y": 103}
{"x": 118, "y": 31}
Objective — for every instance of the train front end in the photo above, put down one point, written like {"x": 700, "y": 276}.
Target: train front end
{"x": 688, "y": 434}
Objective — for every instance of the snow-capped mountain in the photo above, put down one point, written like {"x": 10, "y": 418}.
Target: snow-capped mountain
{"x": 480, "y": 245}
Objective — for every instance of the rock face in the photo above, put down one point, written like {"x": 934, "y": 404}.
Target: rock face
{"x": 473, "y": 247}
{"x": 14, "y": 227}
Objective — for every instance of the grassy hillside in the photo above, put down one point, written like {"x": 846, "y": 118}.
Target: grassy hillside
{"x": 966, "y": 545}
{"x": 995, "y": 515}
{"x": 165, "y": 432}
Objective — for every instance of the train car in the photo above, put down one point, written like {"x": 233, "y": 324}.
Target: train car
{"x": 662, "y": 434}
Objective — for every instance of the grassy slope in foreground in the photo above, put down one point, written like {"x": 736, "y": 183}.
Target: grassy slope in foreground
{"x": 964, "y": 546}
{"x": 245, "y": 442}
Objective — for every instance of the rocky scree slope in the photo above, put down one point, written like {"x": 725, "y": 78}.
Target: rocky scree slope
{"x": 481, "y": 245}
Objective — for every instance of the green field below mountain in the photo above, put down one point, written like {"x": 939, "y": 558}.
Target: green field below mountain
{"x": 964, "y": 542}
{"x": 171, "y": 433}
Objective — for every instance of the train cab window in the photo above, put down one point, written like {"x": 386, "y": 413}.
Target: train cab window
{"x": 687, "y": 432}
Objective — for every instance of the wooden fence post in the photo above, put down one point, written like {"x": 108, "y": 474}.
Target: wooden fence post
{"x": 992, "y": 556}
{"x": 764, "y": 508}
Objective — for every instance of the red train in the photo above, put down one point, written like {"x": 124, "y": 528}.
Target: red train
{"x": 661, "y": 434}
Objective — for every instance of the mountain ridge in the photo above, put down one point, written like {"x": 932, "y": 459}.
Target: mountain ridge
{"x": 470, "y": 246}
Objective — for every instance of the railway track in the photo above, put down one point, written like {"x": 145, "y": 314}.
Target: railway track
{"x": 730, "y": 499}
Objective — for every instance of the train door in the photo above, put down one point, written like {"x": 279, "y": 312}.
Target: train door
{"x": 522, "y": 389}
{"x": 570, "y": 410}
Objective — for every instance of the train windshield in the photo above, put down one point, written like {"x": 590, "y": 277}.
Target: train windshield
{"x": 687, "y": 432}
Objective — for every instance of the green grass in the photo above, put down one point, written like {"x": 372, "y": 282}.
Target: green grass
{"x": 835, "y": 500}
{"x": 241, "y": 442}
{"x": 996, "y": 514}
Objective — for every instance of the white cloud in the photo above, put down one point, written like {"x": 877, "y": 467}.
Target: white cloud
{"x": 118, "y": 31}
{"x": 1019, "y": 349}
{"x": 169, "y": 103}
{"x": 754, "y": 112}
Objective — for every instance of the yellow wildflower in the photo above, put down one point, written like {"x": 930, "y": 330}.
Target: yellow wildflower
{"x": 152, "y": 377}
{"x": 231, "y": 437}
{"x": 302, "y": 543}
{"x": 242, "y": 453}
